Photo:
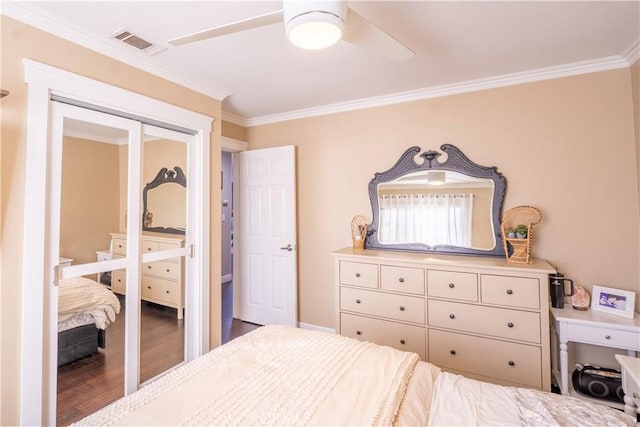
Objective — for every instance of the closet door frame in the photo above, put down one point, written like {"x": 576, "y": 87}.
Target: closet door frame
{"x": 43, "y": 81}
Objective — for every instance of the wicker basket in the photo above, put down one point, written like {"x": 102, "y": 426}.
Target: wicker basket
{"x": 518, "y": 249}
{"x": 358, "y": 231}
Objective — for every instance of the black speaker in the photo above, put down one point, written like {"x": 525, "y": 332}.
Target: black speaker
{"x": 600, "y": 383}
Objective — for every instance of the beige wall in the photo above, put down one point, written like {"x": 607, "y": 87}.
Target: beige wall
{"x": 565, "y": 146}
{"x": 90, "y": 198}
{"x": 635, "y": 85}
{"x": 20, "y": 41}
{"x": 233, "y": 130}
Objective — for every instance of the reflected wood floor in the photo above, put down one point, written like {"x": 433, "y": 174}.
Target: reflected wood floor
{"x": 86, "y": 385}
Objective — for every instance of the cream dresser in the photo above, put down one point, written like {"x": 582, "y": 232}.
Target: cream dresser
{"x": 162, "y": 281}
{"x": 481, "y": 317}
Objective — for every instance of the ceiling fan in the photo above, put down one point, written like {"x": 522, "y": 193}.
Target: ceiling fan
{"x": 314, "y": 24}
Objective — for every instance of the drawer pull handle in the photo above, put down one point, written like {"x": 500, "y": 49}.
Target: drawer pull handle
{"x": 168, "y": 271}
{"x": 512, "y": 363}
{"x": 402, "y": 342}
{"x": 167, "y": 291}
{"x": 509, "y": 291}
{"x": 148, "y": 287}
{"x": 149, "y": 249}
{"x": 453, "y": 352}
{"x": 607, "y": 337}
{"x": 510, "y": 325}
{"x": 452, "y": 316}
{"x": 451, "y": 285}
{"x": 357, "y": 274}
{"x": 401, "y": 280}
{"x": 358, "y": 332}
{"x": 357, "y": 301}
{"x": 402, "y": 308}
{"x": 149, "y": 267}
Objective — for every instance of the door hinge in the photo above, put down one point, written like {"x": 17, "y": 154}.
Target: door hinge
{"x": 192, "y": 251}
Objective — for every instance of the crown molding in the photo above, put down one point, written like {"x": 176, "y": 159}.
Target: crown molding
{"x": 632, "y": 53}
{"x": 584, "y": 67}
{"x": 31, "y": 15}
{"x": 234, "y": 118}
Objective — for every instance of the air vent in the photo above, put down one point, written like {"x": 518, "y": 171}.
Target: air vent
{"x": 137, "y": 42}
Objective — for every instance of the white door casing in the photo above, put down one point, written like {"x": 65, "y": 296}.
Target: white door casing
{"x": 266, "y": 236}
{"x": 37, "y": 378}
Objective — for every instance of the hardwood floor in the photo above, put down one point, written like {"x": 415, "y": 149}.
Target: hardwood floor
{"x": 86, "y": 385}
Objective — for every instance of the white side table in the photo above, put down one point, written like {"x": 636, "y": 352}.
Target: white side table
{"x": 104, "y": 255}
{"x": 64, "y": 262}
{"x": 593, "y": 327}
{"x": 630, "y": 383}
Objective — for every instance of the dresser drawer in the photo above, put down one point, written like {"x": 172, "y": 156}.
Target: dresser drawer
{"x": 119, "y": 246}
{"x": 402, "y": 279}
{"x": 118, "y": 282}
{"x": 452, "y": 285}
{"x": 498, "y": 322}
{"x": 517, "y": 363}
{"x": 150, "y": 245}
{"x": 164, "y": 269}
{"x": 603, "y": 336}
{"x": 521, "y": 292}
{"x": 359, "y": 274}
{"x": 155, "y": 289}
{"x": 383, "y": 332}
{"x": 399, "y": 307}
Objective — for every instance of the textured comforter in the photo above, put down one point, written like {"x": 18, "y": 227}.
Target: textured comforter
{"x": 274, "y": 375}
{"x": 86, "y": 299}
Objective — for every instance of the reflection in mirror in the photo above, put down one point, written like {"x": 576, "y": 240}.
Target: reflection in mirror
{"x": 90, "y": 191}
{"x": 90, "y": 359}
{"x": 437, "y": 208}
{"x": 453, "y": 206}
{"x": 164, "y": 196}
{"x": 163, "y": 285}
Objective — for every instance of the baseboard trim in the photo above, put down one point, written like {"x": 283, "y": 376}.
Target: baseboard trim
{"x": 227, "y": 278}
{"x": 302, "y": 325}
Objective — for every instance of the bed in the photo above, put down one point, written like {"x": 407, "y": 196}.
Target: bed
{"x": 85, "y": 309}
{"x": 277, "y": 375}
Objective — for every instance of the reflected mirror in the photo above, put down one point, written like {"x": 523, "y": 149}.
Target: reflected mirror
{"x": 453, "y": 206}
{"x": 164, "y": 200}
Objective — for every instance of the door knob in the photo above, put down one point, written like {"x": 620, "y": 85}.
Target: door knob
{"x": 287, "y": 248}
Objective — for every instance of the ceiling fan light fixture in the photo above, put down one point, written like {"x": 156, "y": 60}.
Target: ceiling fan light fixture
{"x": 315, "y": 30}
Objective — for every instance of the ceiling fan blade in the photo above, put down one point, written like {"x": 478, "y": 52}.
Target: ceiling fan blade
{"x": 363, "y": 33}
{"x": 245, "y": 24}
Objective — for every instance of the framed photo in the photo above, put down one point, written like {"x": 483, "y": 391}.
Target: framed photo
{"x": 614, "y": 301}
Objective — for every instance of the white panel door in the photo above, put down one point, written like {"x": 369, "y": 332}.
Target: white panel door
{"x": 266, "y": 235}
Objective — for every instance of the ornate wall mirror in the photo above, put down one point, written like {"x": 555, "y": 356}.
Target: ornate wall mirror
{"x": 164, "y": 201}
{"x": 453, "y": 206}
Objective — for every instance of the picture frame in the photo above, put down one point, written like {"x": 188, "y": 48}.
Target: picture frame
{"x": 614, "y": 301}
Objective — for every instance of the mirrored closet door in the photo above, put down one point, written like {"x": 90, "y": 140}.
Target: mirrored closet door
{"x": 119, "y": 207}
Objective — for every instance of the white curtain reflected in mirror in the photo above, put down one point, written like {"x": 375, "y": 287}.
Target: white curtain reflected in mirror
{"x": 91, "y": 328}
{"x": 437, "y": 207}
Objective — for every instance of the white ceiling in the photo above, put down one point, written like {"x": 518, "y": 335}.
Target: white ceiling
{"x": 459, "y": 46}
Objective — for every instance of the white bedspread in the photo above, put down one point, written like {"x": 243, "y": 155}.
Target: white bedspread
{"x": 80, "y": 299}
{"x": 465, "y": 402}
{"x": 275, "y": 375}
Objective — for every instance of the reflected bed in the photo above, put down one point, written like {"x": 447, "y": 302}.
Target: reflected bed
{"x": 85, "y": 309}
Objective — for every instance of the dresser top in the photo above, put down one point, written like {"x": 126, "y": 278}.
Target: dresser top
{"x": 155, "y": 235}
{"x": 438, "y": 260}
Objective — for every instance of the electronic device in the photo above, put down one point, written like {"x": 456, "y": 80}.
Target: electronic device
{"x": 601, "y": 383}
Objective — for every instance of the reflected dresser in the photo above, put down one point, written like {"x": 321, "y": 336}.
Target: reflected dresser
{"x": 162, "y": 281}
{"x": 481, "y": 317}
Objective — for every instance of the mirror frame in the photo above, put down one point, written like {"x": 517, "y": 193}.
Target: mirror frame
{"x": 456, "y": 162}
{"x": 176, "y": 175}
